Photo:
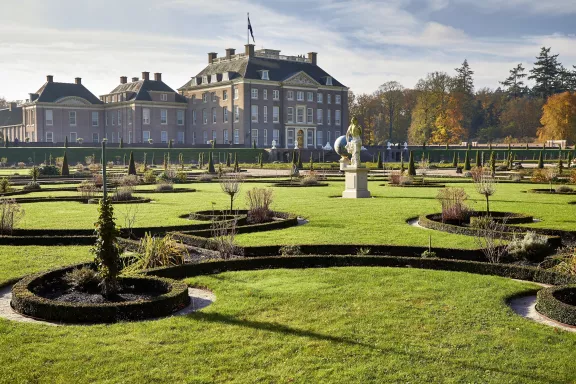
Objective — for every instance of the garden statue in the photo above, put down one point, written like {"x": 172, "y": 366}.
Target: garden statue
{"x": 354, "y": 145}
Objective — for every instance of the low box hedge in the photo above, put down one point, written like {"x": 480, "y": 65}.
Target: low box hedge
{"x": 26, "y": 302}
{"x": 555, "y": 303}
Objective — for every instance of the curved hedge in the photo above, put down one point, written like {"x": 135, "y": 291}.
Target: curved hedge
{"x": 298, "y": 185}
{"x": 28, "y": 200}
{"x": 555, "y": 303}
{"x": 26, "y": 302}
{"x": 551, "y": 192}
{"x": 416, "y": 185}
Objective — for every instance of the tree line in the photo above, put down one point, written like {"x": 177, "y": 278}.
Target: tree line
{"x": 446, "y": 108}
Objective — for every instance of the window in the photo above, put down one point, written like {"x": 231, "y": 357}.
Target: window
{"x": 112, "y": 140}
{"x": 337, "y": 117}
{"x": 225, "y": 76}
{"x": 94, "y": 119}
{"x": 146, "y": 116}
{"x": 214, "y": 136}
{"x": 193, "y": 138}
{"x": 265, "y": 142}
{"x": 319, "y": 138}
{"x": 226, "y": 137}
{"x": 145, "y": 136}
{"x": 290, "y": 138}
{"x": 265, "y": 75}
{"x": 236, "y": 93}
{"x": 213, "y": 96}
{"x": 236, "y": 136}
{"x": 129, "y": 116}
{"x": 49, "y": 137}
{"x": 328, "y": 80}
{"x": 72, "y": 118}
{"x": 320, "y": 97}
{"x": 180, "y": 117}
{"x": 276, "y": 136}
{"x": 205, "y": 137}
{"x": 193, "y": 99}
{"x": 129, "y": 137}
{"x": 204, "y": 79}
{"x": 265, "y": 114}
{"x": 329, "y": 98}
{"x": 33, "y": 117}
{"x": 163, "y": 116}
{"x": 275, "y": 114}
{"x": 254, "y": 113}
{"x": 338, "y": 99}
{"x": 113, "y": 118}
{"x": 328, "y": 117}
{"x": 204, "y": 116}
{"x": 180, "y": 137}
{"x": 49, "y": 117}
{"x": 328, "y": 136}
{"x": 214, "y": 78}
{"x": 225, "y": 95}
{"x": 300, "y": 96}
{"x": 300, "y": 114}
{"x": 164, "y": 97}
{"x": 255, "y": 136}
{"x": 120, "y": 117}
{"x": 265, "y": 94}
{"x": 73, "y": 137}
{"x": 163, "y": 137}
{"x": 205, "y": 97}
{"x": 254, "y": 93}
{"x": 214, "y": 116}
{"x": 236, "y": 113}
{"x": 95, "y": 137}
{"x": 114, "y": 98}
{"x": 290, "y": 117}
{"x": 276, "y": 94}
{"x": 194, "y": 117}
{"x": 319, "y": 117}
{"x": 310, "y": 96}
{"x": 310, "y": 116}
{"x": 337, "y": 133}
{"x": 225, "y": 114}
{"x": 290, "y": 95}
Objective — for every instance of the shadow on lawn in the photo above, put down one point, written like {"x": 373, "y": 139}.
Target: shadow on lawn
{"x": 275, "y": 327}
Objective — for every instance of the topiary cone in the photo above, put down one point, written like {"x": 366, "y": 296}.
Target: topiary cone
{"x": 411, "y": 167}
{"x": 65, "y": 170}
{"x": 131, "y": 165}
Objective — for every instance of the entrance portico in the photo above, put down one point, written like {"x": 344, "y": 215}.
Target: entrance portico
{"x": 304, "y": 136}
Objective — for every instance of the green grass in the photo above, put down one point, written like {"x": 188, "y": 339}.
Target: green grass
{"x": 381, "y": 220}
{"x": 337, "y": 325}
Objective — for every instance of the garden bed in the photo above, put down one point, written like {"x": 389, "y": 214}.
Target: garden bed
{"x": 551, "y": 192}
{"x": 415, "y": 185}
{"x": 296, "y": 185}
{"x": 558, "y": 303}
{"x": 46, "y": 296}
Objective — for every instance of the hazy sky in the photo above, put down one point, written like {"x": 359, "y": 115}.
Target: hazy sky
{"x": 361, "y": 43}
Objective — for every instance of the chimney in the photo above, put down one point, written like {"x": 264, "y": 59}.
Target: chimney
{"x": 211, "y": 57}
{"x": 12, "y": 106}
{"x": 230, "y": 52}
{"x": 145, "y": 75}
{"x": 312, "y": 57}
{"x": 158, "y": 76}
{"x": 249, "y": 50}
{"x": 123, "y": 79}
{"x": 50, "y": 78}
{"x": 78, "y": 80}
{"x": 134, "y": 79}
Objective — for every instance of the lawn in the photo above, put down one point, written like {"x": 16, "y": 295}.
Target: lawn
{"x": 335, "y": 325}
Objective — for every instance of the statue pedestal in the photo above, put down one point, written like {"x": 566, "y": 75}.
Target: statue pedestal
{"x": 356, "y": 182}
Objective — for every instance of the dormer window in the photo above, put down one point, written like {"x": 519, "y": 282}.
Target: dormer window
{"x": 328, "y": 80}
{"x": 214, "y": 78}
{"x": 265, "y": 75}
{"x": 225, "y": 76}
{"x": 164, "y": 97}
{"x": 204, "y": 79}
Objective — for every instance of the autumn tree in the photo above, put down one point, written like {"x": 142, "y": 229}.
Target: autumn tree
{"x": 521, "y": 117}
{"x": 559, "y": 118}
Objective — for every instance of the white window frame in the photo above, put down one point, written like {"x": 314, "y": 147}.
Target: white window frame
{"x": 310, "y": 97}
{"x": 254, "y": 113}
{"x": 264, "y": 94}
{"x": 164, "y": 117}
{"x": 49, "y": 121}
{"x": 95, "y": 137}
{"x": 290, "y": 95}
{"x": 236, "y": 136}
{"x": 290, "y": 138}
{"x": 146, "y": 116}
{"x": 290, "y": 115}
{"x": 129, "y": 116}
{"x": 129, "y": 137}
{"x": 319, "y": 116}
{"x": 49, "y": 137}
{"x": 310, "y": 116}
{"x": 213, "y": 96}
{"x": 194, "y": 117}
{"x": 236, "y": 113}
{"x": 164, "y": 97}
{"x": 276, "y": 136}
{"x": 225, "y": 95}
{"x": 205, "y": 137}
{"x": 236, "y": 93}
{"x": 320, "y": 98}
{"x": 329, "y": 98}
{"x": 225, "y": 114}
{"x": 73, "y": 137}
{"x": 180, "y": 115}
{"x": 265, "y": 75}
{"x": 265, "y": 137}
{"x": 145, "y": 136}
{"x": 205, "y": 97}
{"x": 276, "y": 114}
{"x": 72, "y": 118}
{"x": 275, "y": 94}
{"x": 265, "y": 114}
{"x": 95, "y": 120}
{"x": 225, "y": 136}
{"x": 300, "y": 115}
{"x": 255, "y": 136}
{"x": 337, "y": 117}
{"x": 181, "y": 137}
{"x": 214, "y": 135}
{"x": 204, "y": 116}
{"x": 113, "y": 118}
{"x": 214, "y": 115}
{"x": 204, "y": 79}
{"x": 119, "y": 117}
{"x": 329, "y": 80}
{"x": 338, "y": 99}
{"x": 300, "y": 96}
{"x": 319, "y": 138}
{"x": 164, "y": 137}
{"x": 193, "y": 138}
{"x": 254, "y": 94}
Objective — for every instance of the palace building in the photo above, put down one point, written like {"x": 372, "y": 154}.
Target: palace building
{"x": 258, "y": 96}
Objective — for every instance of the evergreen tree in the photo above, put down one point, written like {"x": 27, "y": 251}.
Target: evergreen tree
{"x": 492, "y": 164}
{"x": 411, "y": 167}
{"x": 540, "y": 161}
{"x": 560, "y": 165}
{"x": 145, "y": 161}
{"x": 254, "y": 144}
{"x": 152, "y": 161}
{"x": 200, "y": 160}
{"x": 478, "y": 161}
{"x": 455, "y": 160}
{"x": 402, "y": 167}
{"x": 170, "y": 143}
{"x": 66, "y": 142}
{"x": 261, "y": 160}
{"x": 379, "y": 161}
{"x": 545, "y": 73}
{"x": 236, "y": 165}
{"x": 228, "y": 156}
{"x": 311, "y": 162}
{"x": 294, "y": 162}
{"x": 514, "y": 83}
{"x": 299, "y": 161}
{"x": 467, "y": 166}
{"x": 211, "y": 163}
{"x": 65, "y": 170}
{"x": 121, "y": 144}
{"x": 164, "y": 162}
{"x": 569, "y": 160}
{"x": 131, "y": 165}
{"x": 106, "y": 250}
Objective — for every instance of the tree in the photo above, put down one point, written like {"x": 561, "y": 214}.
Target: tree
{"x": 254, "y": 144}
{"x": 391, "y": 96}
{"x": 478, "y": 160}
{"x": 121, "y": 144}
{"x": 231, "y": 185}
{"x": 467, "y": 166}
{"x": 545, "y": 73}
{"x": 540, "y": 161}
{"x": 65, "y": 170}
{"x": 559, "y": 118}
{"x": 66, "y": 142}
{"x": 520, "y": 118}
{"x": 560, "y": 165}
{"x": 299, "y": 161}
{"x": 106, "y": 251}
{"x": 485, "y": 185}
{"x": 236, "y": 165}
{"x": 131, "y": 165}
{"x": 455, "y": 159}
{"x": 514, "y": 83}
{"x": 492, "y": 164}
{"x": 379, "y": 161}
{"x": 311, "y": 162}
{"x": 411, "y": 167}
{"x": 261, "y": 160}
{"x": 211, "y": 163}
{"x": 228, "y": 157}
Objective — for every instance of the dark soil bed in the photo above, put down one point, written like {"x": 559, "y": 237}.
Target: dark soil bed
{"x": 551, "y": 192}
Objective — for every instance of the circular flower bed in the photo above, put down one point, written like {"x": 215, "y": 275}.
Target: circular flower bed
{"x": 558, "y": 303}
{"x": 133, "y": 200}
{"x": 47, "y": 296}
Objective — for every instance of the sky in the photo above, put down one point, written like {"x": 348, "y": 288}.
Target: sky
{"x": 361, "y": 43}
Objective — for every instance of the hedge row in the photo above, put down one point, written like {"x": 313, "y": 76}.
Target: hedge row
{"x": 286, "y": 221}
{"x": 299, "y": 185}
{"x": 316, "y": 261}
{"x": 554, "y": 302}
{"x": 415, "y": 185}
{"x": 26, "y": 200}
{"x": 551, "y": 192}
{"x": 26, "y": 302}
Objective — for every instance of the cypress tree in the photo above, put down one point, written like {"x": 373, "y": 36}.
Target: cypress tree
{"x": 65, "y": 171}
{"x": 492, "y": 164}
{"x": 170, "y": 143}
{"x": 261, "y": 160}
{"x": 467, "y": 166}
{"x": 299, "y": 161}
{"x": 294, "y": 162}
{"x": 411, "y": 168}
{"x": 124, "y": 160}
{"x": 478, "y": 161}
{"x": 560, "y": 165}
{"x": 152, "y": 161}
{"x": 254, "y": 144}
{"x": 540, "y": 161}
{"x": 145, "y": 161}
{"x": 379, "y": 164}
{"x": 228, "y": 156}
{"x": 164, "y": 163}
{"x": 121, "y": 144}
{"x": 211, "y": 163}
{"x": 454, "y": 160}
{"x": 131, "y": 165}
{"x": 236, "y": 165}
{"x": 66, "y": 142}
{"x": 569, "y": 160}
{"x": 311, "y": 162}
{"x": 200, "y": 159}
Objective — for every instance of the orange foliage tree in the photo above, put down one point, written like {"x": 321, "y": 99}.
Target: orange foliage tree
{"x": 559, "y": 118}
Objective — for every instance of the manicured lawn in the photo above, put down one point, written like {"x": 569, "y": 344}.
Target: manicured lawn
{"x": 336, "y": 325}
{"x": 381, "y": 220}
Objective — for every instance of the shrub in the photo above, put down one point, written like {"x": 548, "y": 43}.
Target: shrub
{"x": 123, "y": 194}
{"x": 406, "y": 180}
{"x": 5, "y": 185}
{"x": 363, "y": 251}
{"x": 106, "y": 250}
{"x": 82, "y": 279}
{"x": 564, "y": 189}
{"x": 453, "y": 204}
{"x": 32, "y": 186}
{"x": 49, "y": 170}
{"x": 154, "y": 252}
{"x": 79, "y": 167}
{"x": 310, "y": 179}
{"x": 558, "y": 303}
{"x": 231, "y": 185}
{"x": 129, "y": 181}
{"x": 10, "y": 214}
{"x": 428, "y": 254}
{"x": 515, "y": 177}
{"x": 166, "y": 175}
{"x": 573, "y": 176}
{"x": 259, "y": 201}
{"x": 531, "y": 247}
{"x": 564, "y": 261}
{"x": 205, "y": 177}
{"x": 395, "y": 177}
{"x": 95, "y": 167}
{"x": 149, "y": 177}
{"x": 490, "y": 237}
{"x": 181, "y": 177}
{"x": 290, "y": 250}
{"x": 538, "y": 176}
{"x": 87, "y": 189}
{"x": 485, "y": 184}
{"x": 164, "y": 186}
{"x": 21, "y": 164}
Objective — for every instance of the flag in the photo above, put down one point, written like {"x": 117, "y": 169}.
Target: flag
{"x": 250, "y": 29}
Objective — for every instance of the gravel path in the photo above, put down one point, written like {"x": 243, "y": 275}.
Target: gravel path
{"x": 199, "y": 298}
{"x": 526, "y": 307}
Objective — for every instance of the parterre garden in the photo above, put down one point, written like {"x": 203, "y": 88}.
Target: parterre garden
{"x": 309, "y": 287}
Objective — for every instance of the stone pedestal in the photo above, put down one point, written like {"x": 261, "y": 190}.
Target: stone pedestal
{"x": 356, "y": 182}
